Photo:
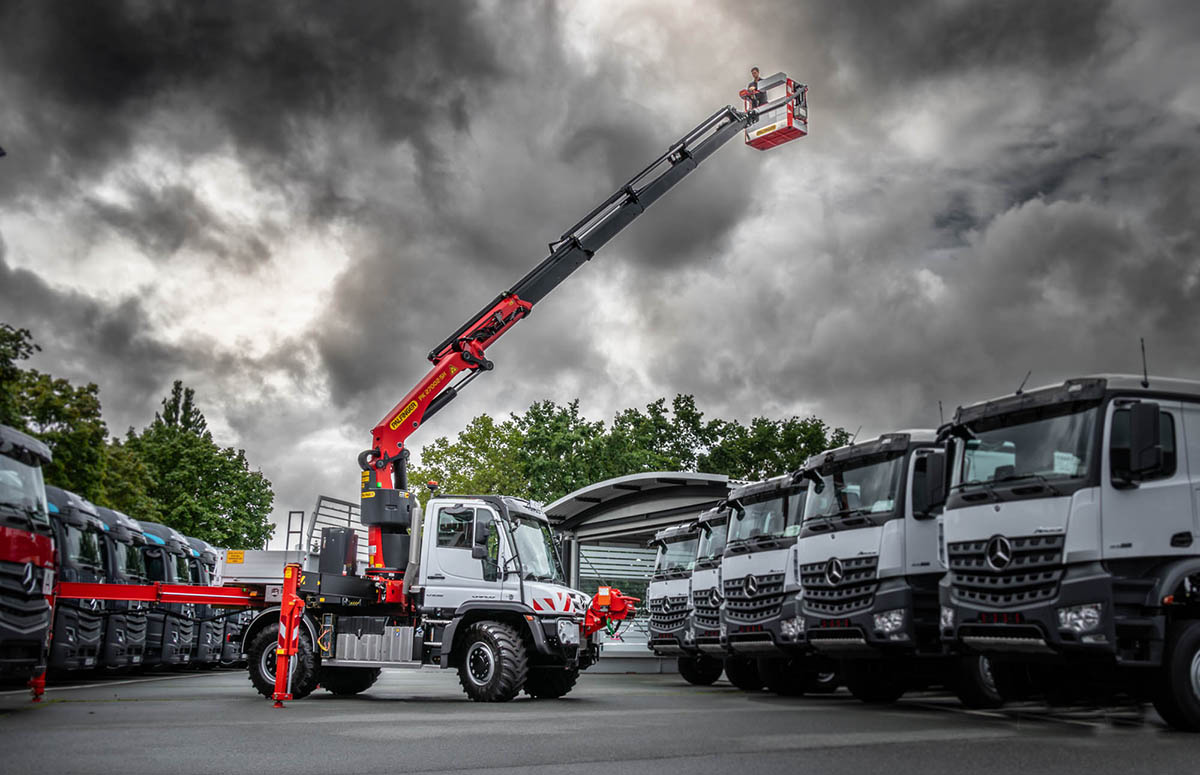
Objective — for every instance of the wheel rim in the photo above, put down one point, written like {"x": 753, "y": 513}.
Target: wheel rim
{"x": 825, "y": 679}
{"x": 266, "y": 664}
{"x": 481, "y": 663}
{"x": 985, "y": 674}
{"x": 1196, "y": 674}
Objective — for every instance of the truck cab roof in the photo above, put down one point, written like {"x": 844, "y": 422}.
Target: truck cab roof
{"x": 121, "y": 526}
{"x": 169, "y": 537}
{"x": 73, "y": 509}
{"x": 208, "y": 553}
{"x": 886, "y": 442}
{"x": 684, "y": 530}
{"x": 765, "y": 487}
{"x": 719, "y": 513}
{"x": 23, "y": 447}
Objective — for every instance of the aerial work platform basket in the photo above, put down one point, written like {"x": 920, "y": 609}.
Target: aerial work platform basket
{"x": 780, "y": 120}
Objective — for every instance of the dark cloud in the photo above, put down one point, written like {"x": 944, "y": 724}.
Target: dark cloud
{"x": 989, "y": 188}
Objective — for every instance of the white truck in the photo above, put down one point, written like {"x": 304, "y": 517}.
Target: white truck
{"x": 870, "y": 564}
{"x": 1071, "y": 528}
{"x": 482, "y": 592}
{"x": 762, "y": 624}
{"x": 669, "y": 601}
{"x": 704, "y": 626}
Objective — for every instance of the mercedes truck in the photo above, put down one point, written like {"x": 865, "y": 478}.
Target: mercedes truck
{"x": 78, "y": 624}
{"x": 870, "y": 564}
{"x": 172, "y": 627}
{"x": 762, "y": 624}
{"x": 707, "y": 664}
{"x": 210, "y": 626}
{"x": 26, "y": 557}
{"x": 668, "y": 600}
{"x": 1071, "y": 525}
{"x": 121, "y": 551}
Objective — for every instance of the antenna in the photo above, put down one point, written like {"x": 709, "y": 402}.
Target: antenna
{"x": 1021, "y": 389}
{"x": 855, "y": 436}
{"x": 1145, "y": 371}
{"x": 941, "y": 414}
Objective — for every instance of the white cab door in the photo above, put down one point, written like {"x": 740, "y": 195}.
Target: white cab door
{"x": 455, "y": 576}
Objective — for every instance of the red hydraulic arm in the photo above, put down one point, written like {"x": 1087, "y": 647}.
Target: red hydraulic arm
{"x": 462, "y": 356}
{"x": 291, "y": 611}
{"x": 608, "y": 606}
{"x": 159, "y": 592}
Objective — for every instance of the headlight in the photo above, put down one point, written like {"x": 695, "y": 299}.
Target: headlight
{"x": 1080, "y": 618}
{"x": 889, "y": 622}
{"x": 568, "y": 632}
{"x": 947, "y": 618}
{"x": 792, "y": 628}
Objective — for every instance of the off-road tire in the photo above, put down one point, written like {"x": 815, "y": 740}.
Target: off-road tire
{"x": 260, "y": 663}
{"x": 1177, "y": 698}
{"x": 873, "y": 682}
{"x": 550, "y": 683}
{"x": 742, "y": 672}
{"x": 493, "y": 665}
{"x": 974, "y": 683}
{"x": 701, "y": 670}
{"x": 347, "y": 681}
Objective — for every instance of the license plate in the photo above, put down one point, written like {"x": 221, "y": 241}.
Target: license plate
{"x": 136, "y": 660}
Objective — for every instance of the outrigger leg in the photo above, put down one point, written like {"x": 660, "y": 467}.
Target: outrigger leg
{"x": 290, "y": 611}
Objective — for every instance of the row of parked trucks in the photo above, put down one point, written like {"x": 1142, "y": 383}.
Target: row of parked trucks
{"x": 49, "y": 535}
{"x": 1041, "y": 543}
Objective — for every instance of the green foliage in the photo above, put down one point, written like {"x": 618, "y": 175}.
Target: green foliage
{"x": 16, "y": 344}
{"x": 172, "y": 472}
{"x": 551, "y": 450}
{"x": 202, "y": 490}
{"x": 68, "y": 419}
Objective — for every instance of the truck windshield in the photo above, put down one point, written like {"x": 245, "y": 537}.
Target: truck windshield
{"x": 128, "y": 560}
{"x": 676, "y": 555}
{"x": 83, "y": 547}
{"x": 712, "y": 543}
{"x": 1054, "y": 444}
{"x": 866, "y": 486}
{"x": 183, "y": 574}
{"x": 156, "y": 568}
{"x": 535, "y": 547}
{"x": 772, "y": 517}
{"x": 22, "y": 492}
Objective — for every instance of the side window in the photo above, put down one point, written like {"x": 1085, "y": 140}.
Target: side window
{"x": 488, "y": 536}
{"x": 1191, "y": 431}
{"x": 1119, "y": 444}
{"x": 454, "y": 527}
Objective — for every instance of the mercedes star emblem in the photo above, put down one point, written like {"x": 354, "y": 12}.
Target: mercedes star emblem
{"x": 714, "y": 596}
{"x": 834, "y": 572}
{"x": 750, "y": 584}
{"x": 999, "y": 552}
{"x": 29, "y": 579}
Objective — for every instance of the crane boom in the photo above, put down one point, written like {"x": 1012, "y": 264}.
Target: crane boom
{"x": 461, "y": 356}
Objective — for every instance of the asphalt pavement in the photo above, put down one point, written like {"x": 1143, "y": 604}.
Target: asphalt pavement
{"x": 419, "y": 721}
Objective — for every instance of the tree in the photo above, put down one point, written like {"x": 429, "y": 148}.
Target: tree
{"x": 68, "y": 419}
{"x": 485, "y": 459}
{"x": 128, "y": 484}
{"x": 560, "y": 449}
{"x": 16, "y": 344}
{"x": 202, "y": 490}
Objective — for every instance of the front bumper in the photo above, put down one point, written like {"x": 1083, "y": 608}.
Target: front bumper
{"x": 765, "y": 638}
{"x": 853, "y": 635}
{"x": 670, "y": 643}
{"x": 78, "y": 638}
{"x": 1033, "y": 630}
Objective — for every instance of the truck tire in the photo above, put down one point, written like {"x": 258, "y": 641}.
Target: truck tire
{"x": 700, "y": 670}
{"x": 1177, "y": 698}
{"x": 493, "y": 666}
{"x": 872, "y": 682}
{"x": 260, "y": 661}
{"x": 346, "y": 681}
{"x": 822, "y": 681}
{"x": 550, "y": 683}
{"x": 742, "y": 672}
{"x": 785, "y": 677}
{"x": 974, "y": 683}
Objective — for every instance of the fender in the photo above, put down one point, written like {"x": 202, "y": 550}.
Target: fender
{"x": 1169, "y": 576}
{"x": 507, "y": 606}
{"x": 269, "y": 616}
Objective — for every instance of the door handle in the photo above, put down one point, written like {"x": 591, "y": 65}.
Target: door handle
{"x": 1181, "y": 539}
{"x": 436, "y": 577}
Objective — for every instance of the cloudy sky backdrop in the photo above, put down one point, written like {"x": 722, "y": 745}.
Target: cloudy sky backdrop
{"x": 287, "y": 204}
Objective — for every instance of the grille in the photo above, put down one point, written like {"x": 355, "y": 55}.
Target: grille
{"x": 707, "y": 615}
{"x": 855, "y": 591}
{"x": 668, "y": 613}
{"x": 765, "y": 603}
{"x": 1033, "y": 574}
{"x": 22, "y": 611}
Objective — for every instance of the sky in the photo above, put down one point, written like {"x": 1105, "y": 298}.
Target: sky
{"x": 286, "y": 205}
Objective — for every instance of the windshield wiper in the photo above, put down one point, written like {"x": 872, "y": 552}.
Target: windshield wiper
{"x": 986, "y": 485}
{"x": 1031, "y": 475}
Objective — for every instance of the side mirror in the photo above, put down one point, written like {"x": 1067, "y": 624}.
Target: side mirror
{"x": 1145, "y": 442}
{"x": 478, "y": 552}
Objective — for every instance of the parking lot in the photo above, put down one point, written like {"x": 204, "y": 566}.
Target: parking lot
{"x": 419, "y": 722}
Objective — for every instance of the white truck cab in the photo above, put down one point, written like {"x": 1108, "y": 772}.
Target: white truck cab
{"x": 1071, "y": 526}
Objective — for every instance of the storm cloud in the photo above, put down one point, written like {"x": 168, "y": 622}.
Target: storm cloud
{"x": 286, "y": 205}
